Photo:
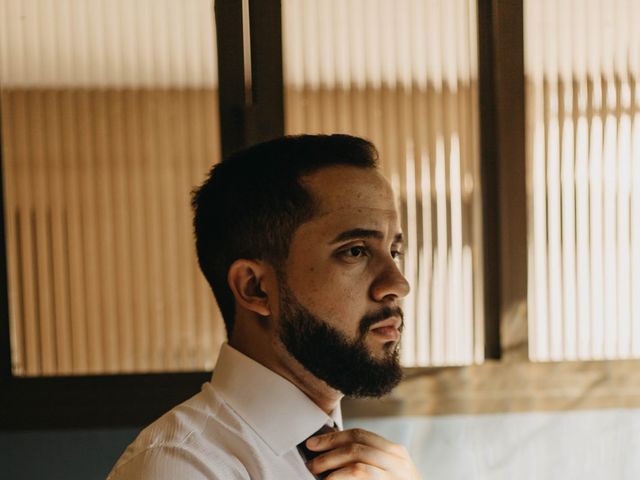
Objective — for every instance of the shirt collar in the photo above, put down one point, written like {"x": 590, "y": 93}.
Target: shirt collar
{"x": 275, "y": 408}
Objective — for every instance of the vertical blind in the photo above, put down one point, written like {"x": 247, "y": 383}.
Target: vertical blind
{"x": 582, "y": 63}
{"x": 109, "y": 118}
{"x": 404, "y": 75}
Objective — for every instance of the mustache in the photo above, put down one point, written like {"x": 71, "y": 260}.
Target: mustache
{"x": 385, "y": 312}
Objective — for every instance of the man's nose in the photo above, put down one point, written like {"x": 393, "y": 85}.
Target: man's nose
{"x": 390, "y": 283}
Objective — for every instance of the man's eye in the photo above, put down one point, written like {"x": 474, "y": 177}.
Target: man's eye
{"x": 397, "y": 254}
{"x": 356, "y": 251}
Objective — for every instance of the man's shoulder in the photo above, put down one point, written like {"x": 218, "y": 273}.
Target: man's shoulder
{"x": 187, "y": 442}
{"x": 170, "y": 462}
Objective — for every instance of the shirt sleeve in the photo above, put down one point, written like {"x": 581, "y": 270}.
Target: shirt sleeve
{"x": 171, "y": 463}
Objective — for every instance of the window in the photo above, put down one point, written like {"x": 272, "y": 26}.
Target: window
{"x": 448, "y": 115}
{"x": 404, "y": 75}
{"x": 583, "y": 111}
{"x": 110, "y": 117}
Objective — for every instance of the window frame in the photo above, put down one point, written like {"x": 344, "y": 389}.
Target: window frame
{"x": 503, "y": 162}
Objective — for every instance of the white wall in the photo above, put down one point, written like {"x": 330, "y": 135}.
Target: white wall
{"x": 585, "y": 445}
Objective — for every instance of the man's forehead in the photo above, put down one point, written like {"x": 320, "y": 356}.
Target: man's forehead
{"x": 350, "y": 198}
{"x": 343, "y": 219}
{"x": 345, "y": 213}
{"x": 349, "y": 187}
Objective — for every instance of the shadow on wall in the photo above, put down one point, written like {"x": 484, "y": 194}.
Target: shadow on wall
{"x": 61, "y": 455}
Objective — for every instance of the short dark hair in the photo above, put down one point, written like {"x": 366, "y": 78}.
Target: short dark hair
{"x": 253, "y": 201}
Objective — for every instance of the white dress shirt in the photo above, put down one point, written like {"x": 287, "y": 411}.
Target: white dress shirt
{"x": 244, "y": 424}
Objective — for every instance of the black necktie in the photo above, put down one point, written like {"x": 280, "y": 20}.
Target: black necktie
{"x": 308, "y": 455}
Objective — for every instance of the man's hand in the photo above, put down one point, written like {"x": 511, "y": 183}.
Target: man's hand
{"x": 358, "y": 453}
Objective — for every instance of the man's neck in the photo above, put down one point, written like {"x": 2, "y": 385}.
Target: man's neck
{"x": 278, "y": 360}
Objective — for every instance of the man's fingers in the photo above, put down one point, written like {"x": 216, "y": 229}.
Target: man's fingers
{"x": 357, "y": 470}
{"x": 350, "y": 455}
{"x": 358, "y": 453}
{"x": 333, "y": 440}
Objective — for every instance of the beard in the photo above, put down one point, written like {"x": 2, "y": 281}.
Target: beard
{"x": 343, "y": 364}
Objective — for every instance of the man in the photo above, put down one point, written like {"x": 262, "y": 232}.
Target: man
{"x": 299, "y": 239}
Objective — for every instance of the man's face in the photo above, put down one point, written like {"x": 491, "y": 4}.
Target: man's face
{"x": 340, "y": 286}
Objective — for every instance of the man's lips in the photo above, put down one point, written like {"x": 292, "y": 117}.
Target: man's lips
{"x": 388, "y": 329}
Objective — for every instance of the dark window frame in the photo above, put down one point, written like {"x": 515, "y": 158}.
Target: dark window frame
{"x": 503, "y": 162}
{"x": 66, "y": 402}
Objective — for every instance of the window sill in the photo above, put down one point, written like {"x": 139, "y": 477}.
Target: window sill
{"x": 502, "y": 387}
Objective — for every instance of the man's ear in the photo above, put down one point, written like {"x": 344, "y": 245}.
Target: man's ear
{"x": 246, "y": 278}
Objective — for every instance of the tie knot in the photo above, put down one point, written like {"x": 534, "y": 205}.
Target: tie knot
{"x": 308, "y": 455}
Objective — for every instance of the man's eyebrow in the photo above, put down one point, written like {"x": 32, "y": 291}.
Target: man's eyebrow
{"x": 356, "y": 233}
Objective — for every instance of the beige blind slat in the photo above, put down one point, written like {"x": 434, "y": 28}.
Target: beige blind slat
{"x": 73, "y": 253}
{"x": 12, "y": 230}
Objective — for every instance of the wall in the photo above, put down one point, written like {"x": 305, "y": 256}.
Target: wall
{"x": 585, "y": 445}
